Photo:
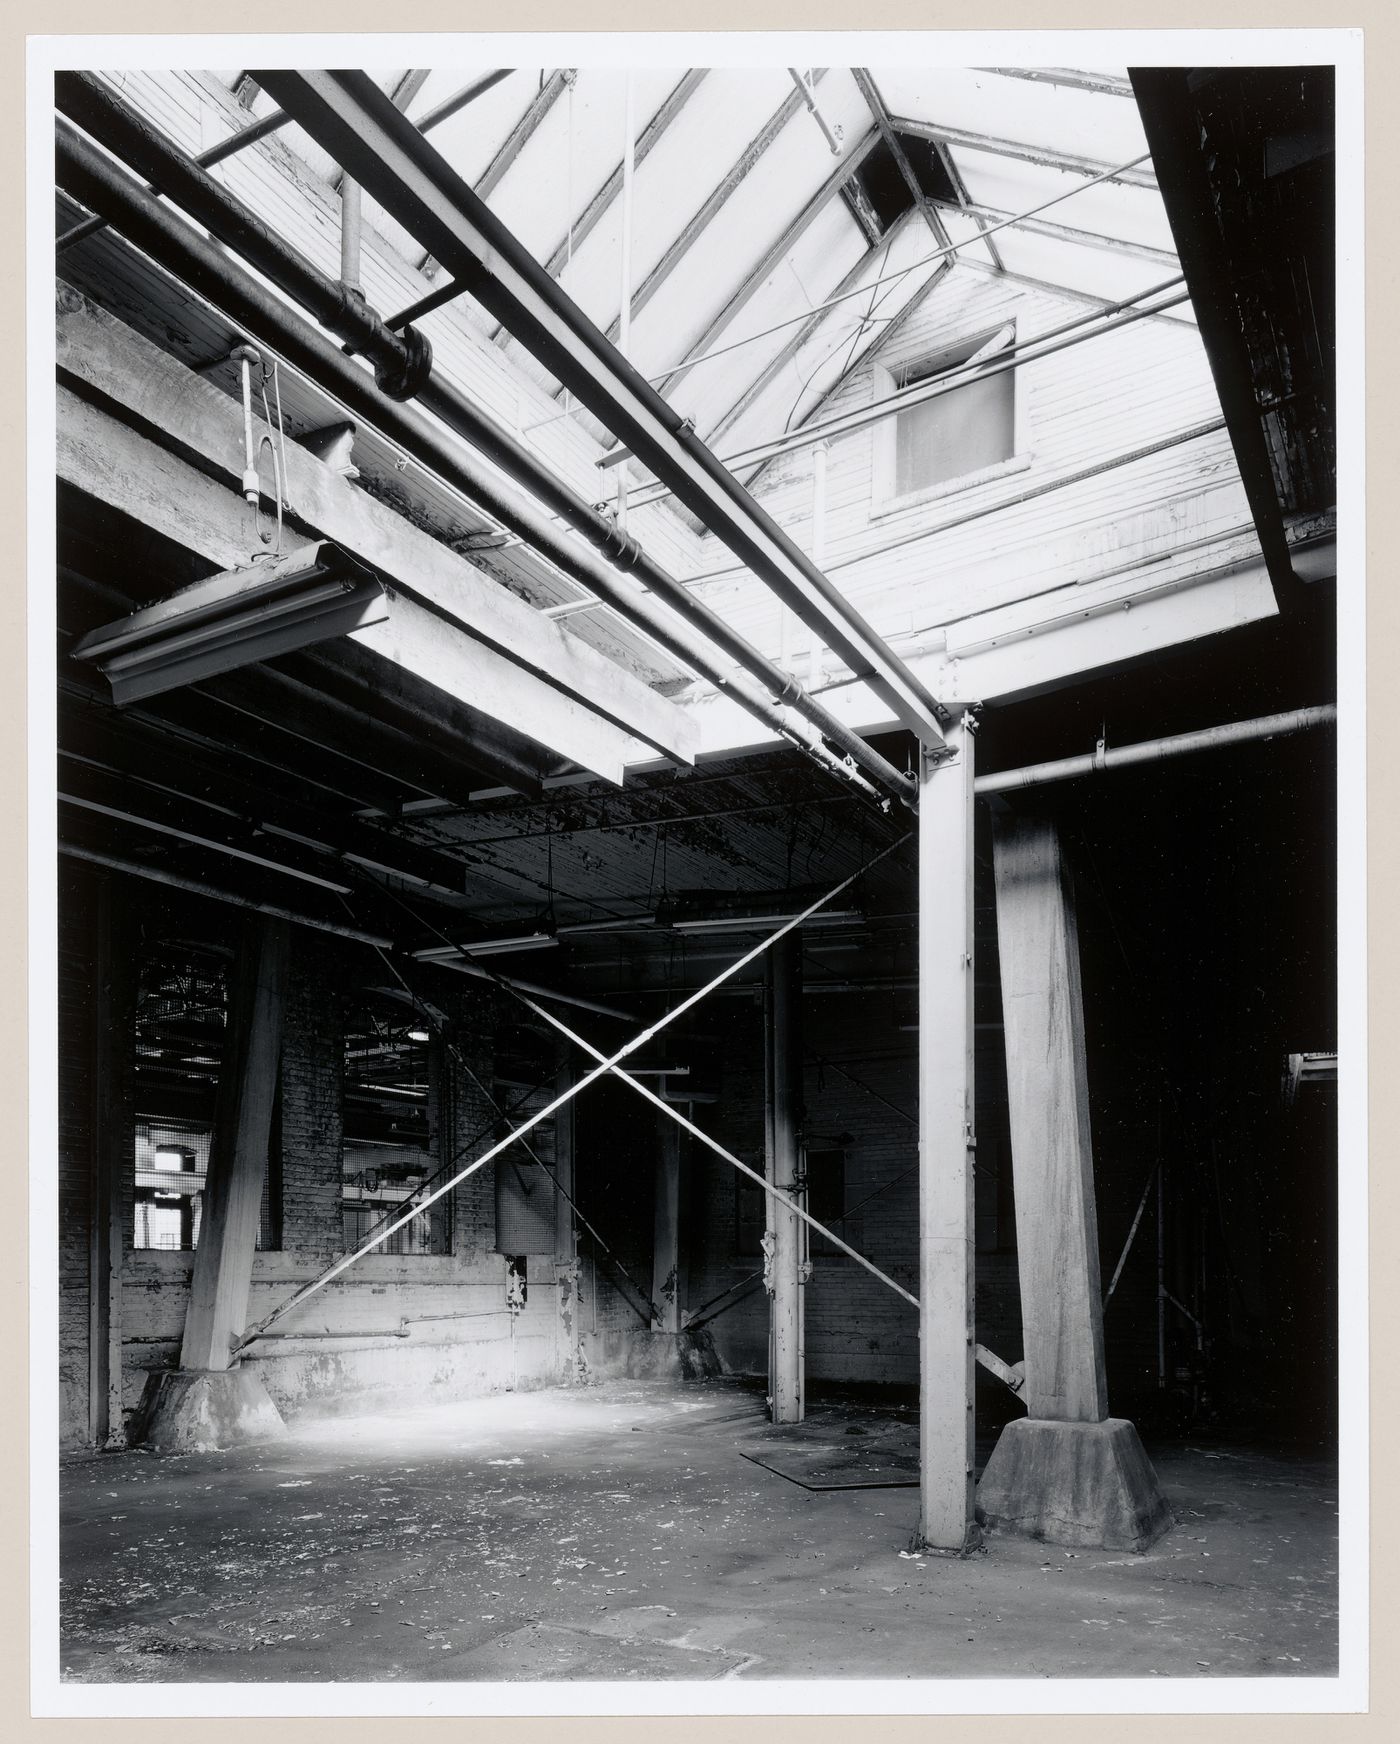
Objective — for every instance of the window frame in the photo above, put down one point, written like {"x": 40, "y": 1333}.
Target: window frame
{"x": 885, "y": 499}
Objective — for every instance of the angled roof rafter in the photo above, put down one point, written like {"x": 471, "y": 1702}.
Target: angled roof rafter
{"x": 700, "y": 221}
{"x": 1068, "y": 233}
{"x": 839, "y": 181}
{"x": 1072, "y": 78}
{"x": 802, "y": 333}
{"x": 881, "y": 116}
{"x": 1033, "y": 154}
{"x": 549, "y": 93}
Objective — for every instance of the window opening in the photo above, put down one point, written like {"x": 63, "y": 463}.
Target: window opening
{"x": 180, "y": 1018}
{"x": 958, "y": 433}
{"x": 389, "y": 1137}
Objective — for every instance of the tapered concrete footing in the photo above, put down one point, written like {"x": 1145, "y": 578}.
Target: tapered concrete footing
{"x": 204, "y": 1410}
{"x": 1081, "y": 1484}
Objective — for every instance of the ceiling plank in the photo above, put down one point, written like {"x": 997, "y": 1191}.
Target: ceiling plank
{"x": 1033, "y": 154}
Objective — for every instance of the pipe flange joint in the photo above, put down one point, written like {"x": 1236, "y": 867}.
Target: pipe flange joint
{"x": 406, "y": 380}
{"x": 620, "y": 548}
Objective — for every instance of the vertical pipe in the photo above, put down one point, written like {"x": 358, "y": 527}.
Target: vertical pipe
{"x": 820, "y": 450}
{"x": 350, "y": 236}
{"x": 784, "y": 1054}
{"x": 946, "y": 1224}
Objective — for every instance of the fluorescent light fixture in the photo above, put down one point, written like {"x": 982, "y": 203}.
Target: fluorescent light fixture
{"x": 754, "y": 923}
{"x": 234, "y": 619}
{"x": 418, "y": 1035}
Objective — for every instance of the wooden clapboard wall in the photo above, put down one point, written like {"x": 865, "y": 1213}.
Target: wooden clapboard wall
{"x": 1178, "y": 513}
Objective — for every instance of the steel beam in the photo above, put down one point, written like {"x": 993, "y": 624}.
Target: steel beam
{"x": 348, "y": 115}
{"x": 1033, "y": 154}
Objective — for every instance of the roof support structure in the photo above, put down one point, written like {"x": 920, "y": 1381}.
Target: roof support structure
{"x": 799, "y": 337}
{"x": 881, "y": 115}
{"x": 1067, "y": 233}
{"x": 647, "y": 141}
{"x": 1070, "y": 77}
{"x": 514, "y": 143}
{"x": 1033, "y": 154}
{"x": 736, "y": 173}
{"x": 351, "y": 117}
{"x": 838, "y": 182}
{"x": 208, "y": 271}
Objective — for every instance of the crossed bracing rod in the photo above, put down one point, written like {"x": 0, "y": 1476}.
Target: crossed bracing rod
{"x": 611, "y": 1063}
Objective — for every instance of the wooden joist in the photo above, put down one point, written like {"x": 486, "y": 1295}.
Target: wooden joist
{"x": 559, "y": 685}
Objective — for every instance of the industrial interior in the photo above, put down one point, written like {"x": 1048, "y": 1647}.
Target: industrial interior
{"x": 697, "y": 956}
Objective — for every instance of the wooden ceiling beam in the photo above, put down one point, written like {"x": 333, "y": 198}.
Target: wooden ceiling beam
{"x": 579, "y": 704}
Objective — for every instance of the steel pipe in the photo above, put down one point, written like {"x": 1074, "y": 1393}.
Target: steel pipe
{"x": 122, "y": 131}
{"x": 1107, "y": 757}
{"x": 279, "y": 118}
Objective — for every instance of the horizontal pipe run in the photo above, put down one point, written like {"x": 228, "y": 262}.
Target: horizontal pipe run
{"x": 209, "y": 272}
{"x": 269, "y": 124}
{"x": 460, "y": 967}
{"x": 197, "y": 887}
{"x": 1032, "y": 350}
{"x": 1109, "y": 757}
{"x": 216, "y": 154}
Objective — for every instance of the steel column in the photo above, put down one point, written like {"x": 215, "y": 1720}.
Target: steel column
{"x": 946, "y": 1148}
{"x": 783, "y": 1237}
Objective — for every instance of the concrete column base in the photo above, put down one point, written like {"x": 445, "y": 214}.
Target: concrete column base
{"x": 204, "y": 1410}
{"x": 1081, "y": 1484}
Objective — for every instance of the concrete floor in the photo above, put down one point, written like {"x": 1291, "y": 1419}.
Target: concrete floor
{"x": 618, "y": 1533}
